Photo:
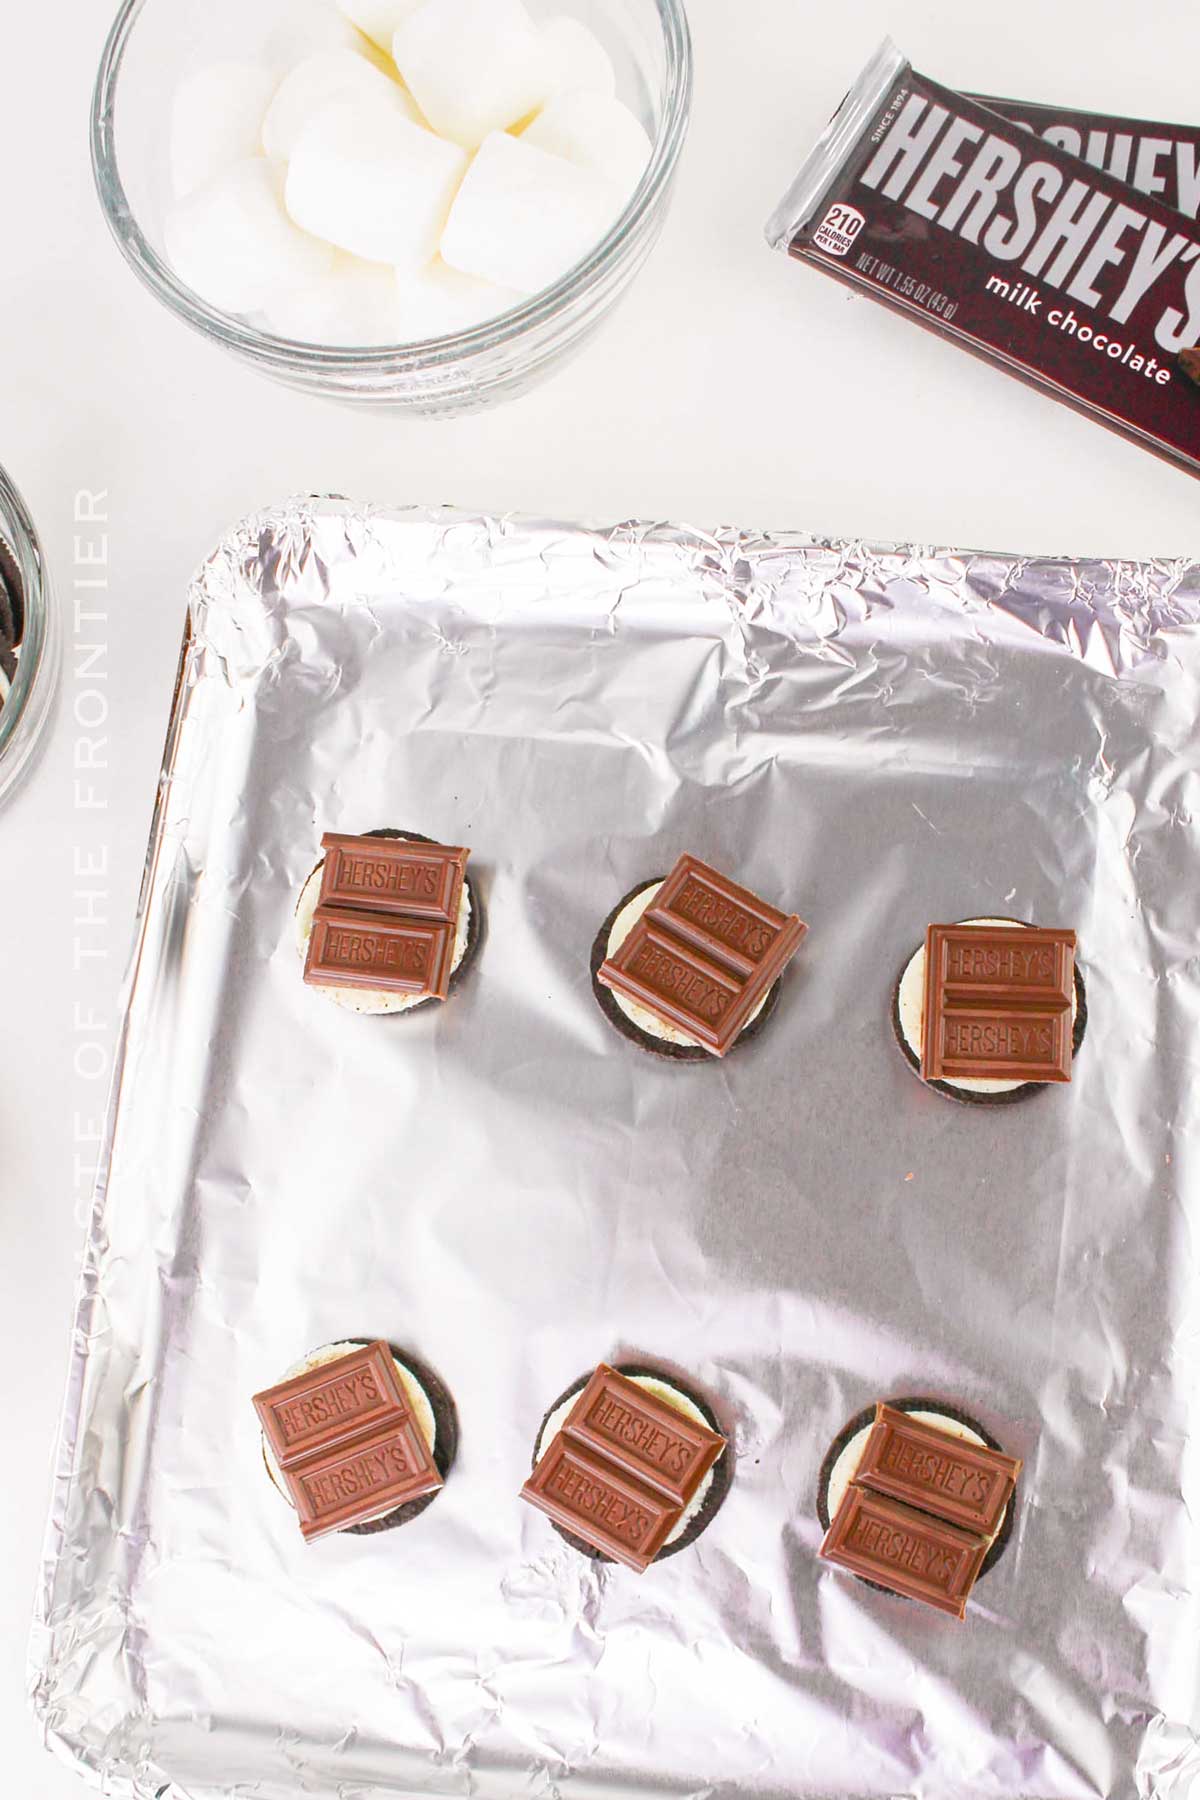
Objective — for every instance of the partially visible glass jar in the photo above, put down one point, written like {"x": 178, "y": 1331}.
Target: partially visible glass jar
{"x": 28, "y": 638}
{"x": 151, "y": 45}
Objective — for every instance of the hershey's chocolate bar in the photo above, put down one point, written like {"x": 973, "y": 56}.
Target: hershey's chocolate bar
{"x": 1010, "y": 964}
{"x": 906, "y": 1551}
{"x": 1005, "y": 243}
{"x": 704, "y": 954}
{"x": 998, "y": 1044}
{"x": 346, "y": 1442}
{"x": 377, "y": 951}
{"x": 1154, "y": 158}
{"x": 725, "y": 921}
{"x": 329, "y": 1403}
{"x": 393, "y": 875}
{"x": 362, "y": 1479}
{"x": 651, "y": 1440}
{"x": 680, "y": 985}
{"x": 965, "y": 1483}
{"x": 596, "y": 1500}
{"x": 997, "y": 1003}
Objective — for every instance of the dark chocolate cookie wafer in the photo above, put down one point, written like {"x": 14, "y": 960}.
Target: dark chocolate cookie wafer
{"x": 606, "y": 1000}
{"x": 971, "y": 1096}
{"x": 917, "y": 1403}
{"x": 445, "y": 1442}
{"x": 722, "y": 1470}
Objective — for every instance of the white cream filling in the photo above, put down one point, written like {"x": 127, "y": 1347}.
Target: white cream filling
{"x": 414, "y": 1393}
{"x": 911, "y": 1008}
{"x": 639, "y": 1015}
{"x": 661, "y": 1390}
{"x": 371, "y": 1000}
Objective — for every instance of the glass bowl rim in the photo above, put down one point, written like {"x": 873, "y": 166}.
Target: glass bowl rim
{"x": 286, "y": 355}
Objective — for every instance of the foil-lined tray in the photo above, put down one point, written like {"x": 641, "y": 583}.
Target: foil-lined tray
{"x": 874, "y": 737}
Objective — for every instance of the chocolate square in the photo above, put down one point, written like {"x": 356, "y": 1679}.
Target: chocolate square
{"x": 362, "y": 1478}
{"x": 680, "y": 985}
{"x": 596, "y": 1500}
{"x": 726, "y": 922}
{"x": 905, "y": 1551}
{"x": 964, "y": 1483}
{"x": 377, "y": 951}
{"x": 331, "y": 1402}
{"x": 393, "y": 875}
{"x": 618, "y": 1420}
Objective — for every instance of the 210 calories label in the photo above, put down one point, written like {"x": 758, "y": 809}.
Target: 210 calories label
{"x": 838, "y": 229}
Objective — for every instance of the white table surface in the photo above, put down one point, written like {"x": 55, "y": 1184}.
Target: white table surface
{"x": 731, "y": 387}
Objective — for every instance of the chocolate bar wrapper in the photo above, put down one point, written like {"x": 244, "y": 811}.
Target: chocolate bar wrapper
{"x": 873, "y": 737}
{"x": 1155, "y": 159}
{"x": 1009, "y": 246}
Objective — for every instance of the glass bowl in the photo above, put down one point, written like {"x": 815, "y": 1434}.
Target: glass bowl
{"x": 153, "y": 43}
{"x": 26, "y": 705}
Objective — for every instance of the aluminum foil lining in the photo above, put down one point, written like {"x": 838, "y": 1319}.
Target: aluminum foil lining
{"x": 875, "y": 737}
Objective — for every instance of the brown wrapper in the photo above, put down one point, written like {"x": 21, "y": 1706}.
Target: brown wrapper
{"x": 1003, "y": 242}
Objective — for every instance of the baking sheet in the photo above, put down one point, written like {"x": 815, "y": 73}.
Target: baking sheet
{"x": 874, "y": 737}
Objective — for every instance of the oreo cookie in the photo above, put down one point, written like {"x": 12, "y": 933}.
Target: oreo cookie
{"x": 861, "y": 1425}
{"x": 909, "y": 1040}
{"x": 720, "y": 1476}
{"x": 12, "y": 615}
{"x": 445, "y": 1438}
{"x": 474, "y": 936}
{"x": 645, "y": 1039}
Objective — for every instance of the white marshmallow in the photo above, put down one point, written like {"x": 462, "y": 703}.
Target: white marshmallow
{"x": 232, "y": 243}
{"x": 215, "y": 121}
{"x": 523, "y": 217}
{"x": 377, "y": 19}
{"x": 473, "y": 66}
{"x": 578, "y": 58}
{"x": 596, "y": 133}
{"x": 354, "y": 305}
{"x": 367, "y": 179}
{"x": 438, "y": 300}
{"x": 312, "y": 84}
{"x": 309, "y": 26}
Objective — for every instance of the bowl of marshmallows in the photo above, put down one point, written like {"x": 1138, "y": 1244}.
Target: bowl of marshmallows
{"x": 421, "y": 204}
